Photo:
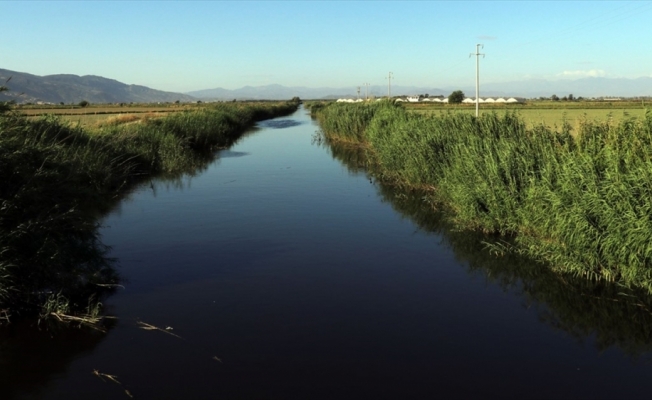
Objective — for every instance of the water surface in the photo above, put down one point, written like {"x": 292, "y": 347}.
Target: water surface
{"x": 288, "y": 274}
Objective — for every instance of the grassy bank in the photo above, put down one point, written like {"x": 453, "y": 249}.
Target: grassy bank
{"x": 579, "y": 202}
{"x": 58, "y": 178}
{"x": 601, "y": 312}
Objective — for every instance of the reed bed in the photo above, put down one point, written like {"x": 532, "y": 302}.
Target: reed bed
{"x": 579, "y": 202}
{"x": 58, "y": 178}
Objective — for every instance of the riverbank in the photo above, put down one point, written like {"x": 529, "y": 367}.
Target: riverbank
{"x": 578, "y": 202}
{"x": 58, "y": 178}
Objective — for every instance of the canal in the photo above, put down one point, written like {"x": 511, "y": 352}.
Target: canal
{"x": 283, "y": 271}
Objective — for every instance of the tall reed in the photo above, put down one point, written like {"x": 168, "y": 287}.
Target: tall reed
{"x": 581, "y": 203}
{"x": 58, "y": 178}
{"x": 604, "y": 312}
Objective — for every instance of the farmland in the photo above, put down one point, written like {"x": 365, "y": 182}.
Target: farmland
{"x": 549, "y": 113}
{"x": 96, "y": 115}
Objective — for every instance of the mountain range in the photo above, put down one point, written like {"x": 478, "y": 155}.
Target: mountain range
{"x": 534, "y": 88}
{"x": 585, "y": 87}
{"x": 273, "y": 92}
{"x": 68, "y": 88}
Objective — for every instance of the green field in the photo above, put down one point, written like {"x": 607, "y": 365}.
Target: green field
{"x": 548, "y": 114}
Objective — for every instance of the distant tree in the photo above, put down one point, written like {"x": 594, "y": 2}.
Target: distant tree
{"x": 83, "y": 103}
{"x": 176, "y": 102}
{"x": 296, "y": 99}
{"x": 564, "y": 98}
{"x": 456, "y": 97}
{"x": 554, "y": 97}
{"x": 61, "y": 103}
{"x": 570, "y": 97}
{"x": 426, "y": 95}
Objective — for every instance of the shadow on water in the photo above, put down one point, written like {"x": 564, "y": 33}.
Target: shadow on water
{"x": 232, "y": 154}
{"x": 279, "y": 123}
{"x": 608, "y": 314}
{"x": 33, "y": 351}
{"x": 30, "y": 356}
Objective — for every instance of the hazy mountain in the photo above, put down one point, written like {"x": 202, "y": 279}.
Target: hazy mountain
{"x": 73, "y": 89}
{"x": 586, "y": 87}
{"x": 279, "y": 92}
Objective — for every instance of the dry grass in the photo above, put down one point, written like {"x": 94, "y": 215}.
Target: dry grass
{"x": 85, "y": 320}
{"x": 104, "y": 120}
{"x": 93, "y": 322}
{"x": 103, "y": 115}
{"x": 128, "y": 118}
{"x": 101, "y": 109}
{"x": 150, "y": 327}
{"x": 111, "y": 378}
{"x": 4, "y": 315}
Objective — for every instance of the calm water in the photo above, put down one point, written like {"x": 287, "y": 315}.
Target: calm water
{"x": 307, "y": 280}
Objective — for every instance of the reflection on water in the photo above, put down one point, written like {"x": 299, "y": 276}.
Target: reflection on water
{"x": 30, "y": 355}
{"x": 611, "y": 314}
{"x": 279, "y": 123}
{"x": 297, "y": 274}
{"x": 33, "y": 351}
{"x": 230, "y": 154}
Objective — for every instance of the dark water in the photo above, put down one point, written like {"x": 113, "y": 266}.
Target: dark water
{"x": 287, "y": 274}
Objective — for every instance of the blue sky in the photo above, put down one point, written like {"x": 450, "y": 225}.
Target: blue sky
{"x": 185, "y": 46}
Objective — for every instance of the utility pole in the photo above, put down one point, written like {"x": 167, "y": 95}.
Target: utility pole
{"x": 477, "y": 77}
{"x": 366, "y": 91}
{"x": 358, "y": 92}
{"x": 390, "y": 76}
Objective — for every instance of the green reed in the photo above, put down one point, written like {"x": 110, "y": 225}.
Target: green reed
{"x": 602, "y": 311}
{"x": 58, "y": 178}
{"x": 579, "y": 201}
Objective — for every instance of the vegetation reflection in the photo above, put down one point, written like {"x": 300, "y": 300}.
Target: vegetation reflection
{"x": 59, "y": 179}
{"x": 612, "y": 314}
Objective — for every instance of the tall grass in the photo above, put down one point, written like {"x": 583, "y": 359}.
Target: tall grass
{"x": 57, "y": 178}
{"x": 604, "y": 312}
{"x": 581, "y": 203}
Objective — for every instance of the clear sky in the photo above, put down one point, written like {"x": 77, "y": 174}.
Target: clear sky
{"x": 185, "y": 46}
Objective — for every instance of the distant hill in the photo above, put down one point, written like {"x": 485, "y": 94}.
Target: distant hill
{"x": 586, "y": 87}
{"x": 279, "y": 92}
{"x": 25, "y": 87}
{"x": 65, "y": 88}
